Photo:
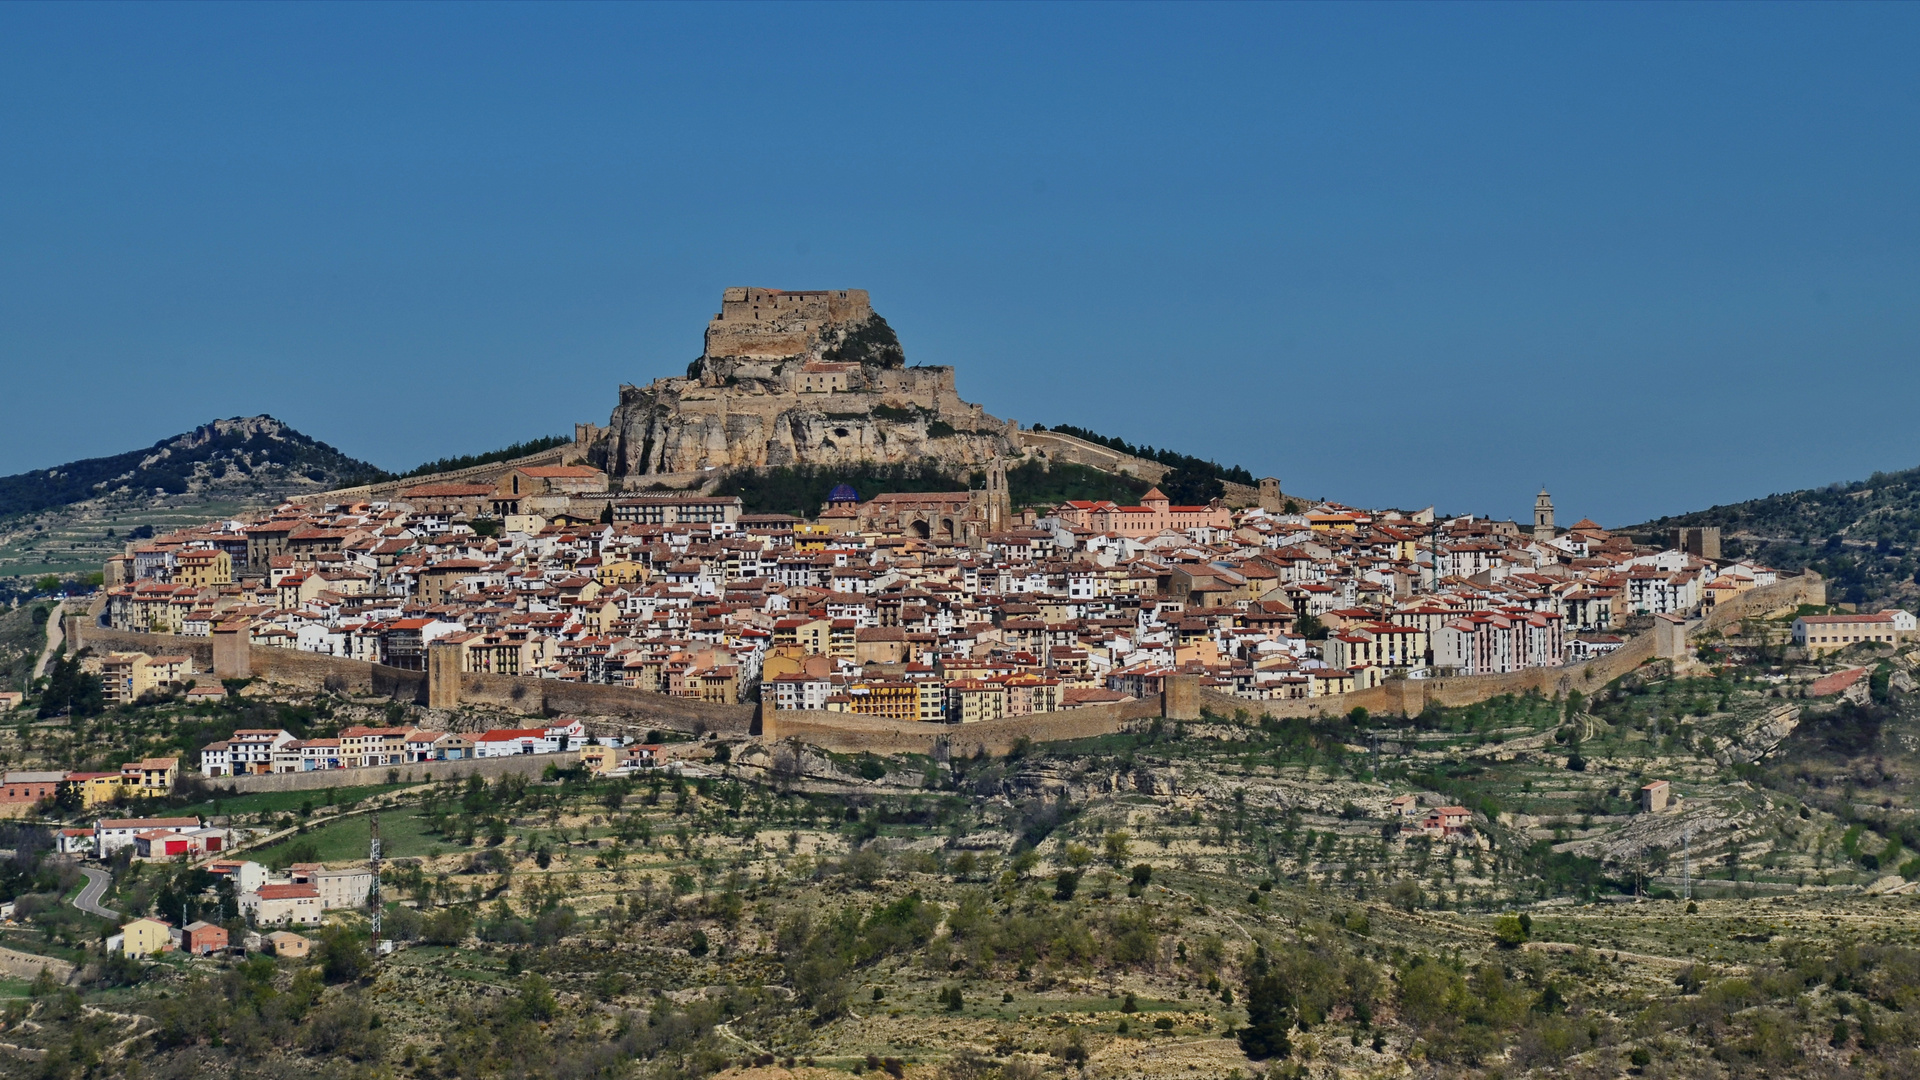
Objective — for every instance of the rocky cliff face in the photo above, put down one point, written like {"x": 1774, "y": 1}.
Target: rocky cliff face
{"x": 797, "y": 378}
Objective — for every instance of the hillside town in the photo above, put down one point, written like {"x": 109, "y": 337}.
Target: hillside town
{"x": 944, "y": 607}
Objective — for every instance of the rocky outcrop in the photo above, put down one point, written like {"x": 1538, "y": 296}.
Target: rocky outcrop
{"x": 797, "y": 378}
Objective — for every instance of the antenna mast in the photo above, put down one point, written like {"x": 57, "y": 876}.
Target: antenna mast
{"x": 373, "y": 890}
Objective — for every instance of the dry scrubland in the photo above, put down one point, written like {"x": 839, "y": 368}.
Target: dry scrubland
{"x": 1200, "y": 900}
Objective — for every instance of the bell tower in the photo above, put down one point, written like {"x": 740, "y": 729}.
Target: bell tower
{"x": 1543, "y": 518}
{"x": 999, "y": 501}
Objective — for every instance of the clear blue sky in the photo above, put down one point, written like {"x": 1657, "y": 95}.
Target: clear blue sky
{"x": 1654, "y": 256}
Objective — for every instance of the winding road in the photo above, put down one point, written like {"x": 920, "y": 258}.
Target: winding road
{"x": 96, "y": 887}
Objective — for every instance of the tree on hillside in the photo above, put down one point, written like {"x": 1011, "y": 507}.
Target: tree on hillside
{"x": 1269, "y": 1012}
{"x": 70, "y": 690}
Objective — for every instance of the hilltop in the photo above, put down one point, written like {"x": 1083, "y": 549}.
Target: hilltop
{"x": 1861, "y": 536}
{"x": 70, "y": 517}
{"x": 254, "y": 454}
{"x": 796, "y": 378}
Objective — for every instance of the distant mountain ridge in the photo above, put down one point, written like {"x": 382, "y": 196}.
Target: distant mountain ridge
{"x": 253, "y": 454}
{"x": 1863, "y": 536}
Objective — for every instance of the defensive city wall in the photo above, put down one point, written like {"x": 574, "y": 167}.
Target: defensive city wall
{"x": 485, "y": 768}
{"x": 1055, "y": 446}
{"x": 619, "y": 709}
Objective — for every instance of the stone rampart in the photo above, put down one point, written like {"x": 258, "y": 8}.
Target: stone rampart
{"x": 488, "y": 473}
{"x": 851, "y": 734}
{"x": 486, "y": 768}
{"x": 80, "y": 635}
{"x": 1059, "y": 447}
{"x": 1407, "y": 697}
{"x": 618, "y": 709}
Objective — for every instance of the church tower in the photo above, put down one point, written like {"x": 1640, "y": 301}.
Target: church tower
{"x": 1543, "y": 518}
{"x": 999, "y": 502}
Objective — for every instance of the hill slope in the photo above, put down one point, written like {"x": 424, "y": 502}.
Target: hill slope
{"x": 255, "y": 453}
{"x": 1862, "y": 536}
{"x": 71, "y": 517}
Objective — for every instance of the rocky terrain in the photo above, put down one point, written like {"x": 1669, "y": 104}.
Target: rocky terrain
{"x": 797, "y": 379}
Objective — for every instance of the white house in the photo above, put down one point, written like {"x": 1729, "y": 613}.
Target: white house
{"x": 282, "y": 905}
{"x": 250, "y": 751}
{"x": 112, "y": 834}
{"x": 216, "y": 759}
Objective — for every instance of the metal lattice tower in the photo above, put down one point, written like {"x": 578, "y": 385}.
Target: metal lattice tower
{"x": 373, "y": 890}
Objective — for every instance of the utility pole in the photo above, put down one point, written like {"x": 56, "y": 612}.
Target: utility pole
{"x": 1686, "y": 846}
{"x": 373, "y": 890}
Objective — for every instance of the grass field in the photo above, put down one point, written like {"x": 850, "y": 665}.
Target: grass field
{"x": 403, "y": 833}
{"x": 278, "y": 802}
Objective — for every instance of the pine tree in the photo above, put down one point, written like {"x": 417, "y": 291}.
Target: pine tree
{"x": 1269, "y": 1013}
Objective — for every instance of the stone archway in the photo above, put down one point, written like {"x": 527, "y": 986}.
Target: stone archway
{"x": 922, "y": 530}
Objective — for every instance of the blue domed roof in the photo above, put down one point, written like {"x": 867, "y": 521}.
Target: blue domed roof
{"x": 843, "y": 494}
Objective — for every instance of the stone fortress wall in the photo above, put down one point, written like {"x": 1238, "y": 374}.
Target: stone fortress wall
{"x": 485, "y": 768}
{"x": 620, "y": 710}
{"x": 1051, "y": 446}
{"x": 566, "y": 454}
{"x": 776, "y": 323}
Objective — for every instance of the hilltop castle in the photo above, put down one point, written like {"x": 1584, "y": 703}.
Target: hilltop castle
{"x": 795, "y": 378}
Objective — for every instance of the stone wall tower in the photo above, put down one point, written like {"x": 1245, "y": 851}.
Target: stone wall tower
{"x": 1543, "y": 518}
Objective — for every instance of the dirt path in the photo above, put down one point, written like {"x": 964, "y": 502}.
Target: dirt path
{"x": 56, "y": 633}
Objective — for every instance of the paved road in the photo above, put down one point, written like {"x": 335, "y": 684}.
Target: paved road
{"x": 96, "y": 887}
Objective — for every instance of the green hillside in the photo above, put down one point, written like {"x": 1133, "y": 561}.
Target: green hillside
{"x": 1862, "y": 536}
{"x": 67, "y": 519}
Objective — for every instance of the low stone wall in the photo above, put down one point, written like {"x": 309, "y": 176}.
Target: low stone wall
{"x": 518, "y": 765}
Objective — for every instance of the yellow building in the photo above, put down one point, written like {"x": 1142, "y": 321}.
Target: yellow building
{"x": 124, "y": 676}
{"x": 96, "y": 788}
{"x": 893, "y": 699}
{"x": 824, "y": 637}
{"x": 152, "y": 776}
{"x": 144, "y": 937}
{"x": 621, "y": 572}
{"x": 719, "y": 685}
{"x": 812, "y": 537}
{"x": 973, "y": 700}
{"x": 203, "y": 568}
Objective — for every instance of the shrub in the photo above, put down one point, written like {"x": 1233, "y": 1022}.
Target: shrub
{"x": 1065, "y": 885}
